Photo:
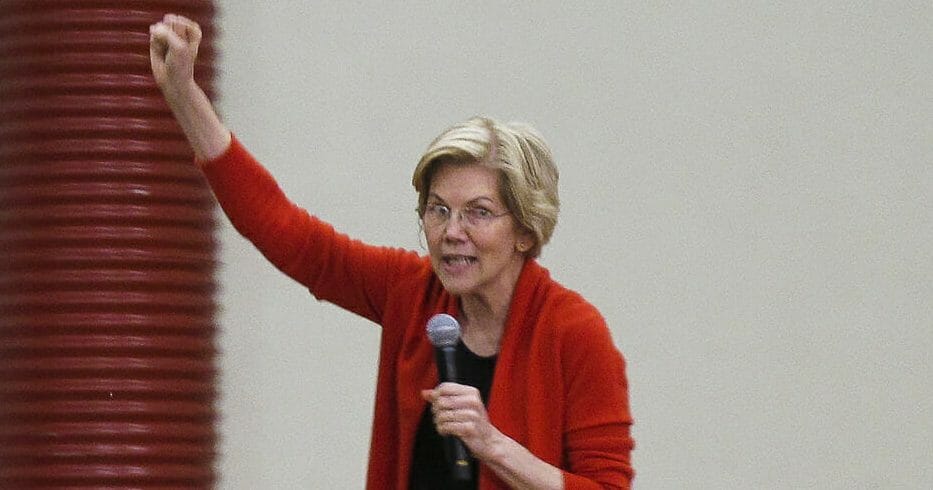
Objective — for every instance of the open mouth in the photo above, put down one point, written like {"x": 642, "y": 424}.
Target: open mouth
{"x": 458, "y": 260}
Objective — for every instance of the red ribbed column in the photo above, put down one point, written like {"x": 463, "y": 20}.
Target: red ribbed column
{"x": 106, "y": 255}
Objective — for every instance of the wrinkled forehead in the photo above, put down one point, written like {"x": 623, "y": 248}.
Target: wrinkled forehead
{"x": 461, "y": 182}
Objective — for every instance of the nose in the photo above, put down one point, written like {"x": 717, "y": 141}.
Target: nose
{"x": 454, "y": 227}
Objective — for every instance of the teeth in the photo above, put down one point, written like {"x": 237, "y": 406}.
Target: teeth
{"x": 459, "y": 260}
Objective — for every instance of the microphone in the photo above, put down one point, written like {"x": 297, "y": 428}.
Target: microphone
{"x": 444, "y": 333}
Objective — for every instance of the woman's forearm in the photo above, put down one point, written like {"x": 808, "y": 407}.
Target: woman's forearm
{"x": 521, "y": 469}
{"x": 173, "y": 49}
{"x": 208, "y": 136}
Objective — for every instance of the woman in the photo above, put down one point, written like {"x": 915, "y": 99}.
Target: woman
{"x": 543, "y": 403}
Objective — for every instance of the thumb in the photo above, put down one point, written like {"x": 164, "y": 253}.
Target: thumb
{"x": 162, "y": 39}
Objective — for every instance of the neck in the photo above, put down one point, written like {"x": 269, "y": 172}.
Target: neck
{"x": 484, "y": 316}
{"x": 482, "y": 326}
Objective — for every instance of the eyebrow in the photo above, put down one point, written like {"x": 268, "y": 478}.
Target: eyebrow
{"x": 473, "y": 201}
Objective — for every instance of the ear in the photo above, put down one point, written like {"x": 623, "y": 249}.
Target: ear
{"x": 525, "y": 241}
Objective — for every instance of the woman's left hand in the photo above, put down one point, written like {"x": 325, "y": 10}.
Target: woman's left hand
{"x": 459, "y": 411}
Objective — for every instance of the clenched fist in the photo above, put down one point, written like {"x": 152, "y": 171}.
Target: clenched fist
{"x": 173, "y": 48}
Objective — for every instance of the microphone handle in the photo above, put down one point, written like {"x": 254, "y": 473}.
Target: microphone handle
{"x": 447, "y": 364}
{"x": 457, "y": 457}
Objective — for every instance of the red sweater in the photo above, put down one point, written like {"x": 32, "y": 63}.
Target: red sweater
{"x": 559, "y": 387}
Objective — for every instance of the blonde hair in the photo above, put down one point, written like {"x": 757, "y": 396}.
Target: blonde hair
{"x": 528, "y": 174}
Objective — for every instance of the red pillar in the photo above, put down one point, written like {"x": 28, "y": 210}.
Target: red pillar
{"x": 107, "y": 255}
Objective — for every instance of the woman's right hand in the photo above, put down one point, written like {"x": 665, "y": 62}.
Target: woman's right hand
{"x": 173, "y": 49}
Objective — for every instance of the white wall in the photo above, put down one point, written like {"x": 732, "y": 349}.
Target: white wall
{"x": 746, "y": 191}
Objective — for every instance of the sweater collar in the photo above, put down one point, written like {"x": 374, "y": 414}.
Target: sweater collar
{"x": 532, "y": 276}
{"x": 526, "y": 303}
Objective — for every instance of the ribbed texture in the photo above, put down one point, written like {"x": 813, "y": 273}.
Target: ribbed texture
{"x": 106, "y": 255}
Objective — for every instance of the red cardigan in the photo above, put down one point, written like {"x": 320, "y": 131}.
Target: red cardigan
{"x": 559, "y": 387}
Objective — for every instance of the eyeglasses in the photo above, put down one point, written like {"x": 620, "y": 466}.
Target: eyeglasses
{"x": 437, "y": 215}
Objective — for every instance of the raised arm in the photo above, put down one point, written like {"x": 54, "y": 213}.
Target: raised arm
{"x": 173, "y": 49}
{"x": 345, "y": 272}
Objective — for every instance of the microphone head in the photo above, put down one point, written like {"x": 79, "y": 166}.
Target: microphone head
{"x": 443, "y": 330}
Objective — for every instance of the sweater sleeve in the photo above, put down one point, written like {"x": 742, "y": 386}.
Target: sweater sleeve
{"x": 598, "y": 421}
{"x": 334, "y": 267}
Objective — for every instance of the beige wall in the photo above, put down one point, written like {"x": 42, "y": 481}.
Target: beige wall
{"x": 746, "y": 198}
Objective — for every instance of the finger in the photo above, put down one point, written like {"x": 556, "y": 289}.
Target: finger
{"x": 186, "y": 28}
{"x": 463, "y": 399}
{"x": 443, "y": 420}
{"x": 446, "y": 402}
{"x": 161, "y": 33}
{"x": 178, "y": 28}
{"x": 448, "y": 387}
{"x": 454, "y": 428}
{"x": 451, "y": 389}
{"x": 444, "y": 416}
{"x": 157, "y": 45}
{"x": 194, "y": 31}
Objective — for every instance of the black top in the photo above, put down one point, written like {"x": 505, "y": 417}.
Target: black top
{"x": 429, "y": 469}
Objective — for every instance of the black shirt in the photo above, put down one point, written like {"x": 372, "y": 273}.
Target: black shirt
{"x": 429, "y": 469}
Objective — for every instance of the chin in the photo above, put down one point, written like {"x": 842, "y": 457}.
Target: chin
{"x": 456, "y": 287}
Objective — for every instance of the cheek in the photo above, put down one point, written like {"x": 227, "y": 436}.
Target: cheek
{"x": 433, "y": 240}
{"x": 430, "y": 236}
{"x": 493, "y": 246}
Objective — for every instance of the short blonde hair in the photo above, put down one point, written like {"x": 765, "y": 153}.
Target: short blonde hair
{"x": 527, "y": 173}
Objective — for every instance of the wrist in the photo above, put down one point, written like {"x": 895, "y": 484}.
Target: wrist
{"x": 497, "y": 449}
{"x": 180, "y": 95}
{"x": 193, "y": 111}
